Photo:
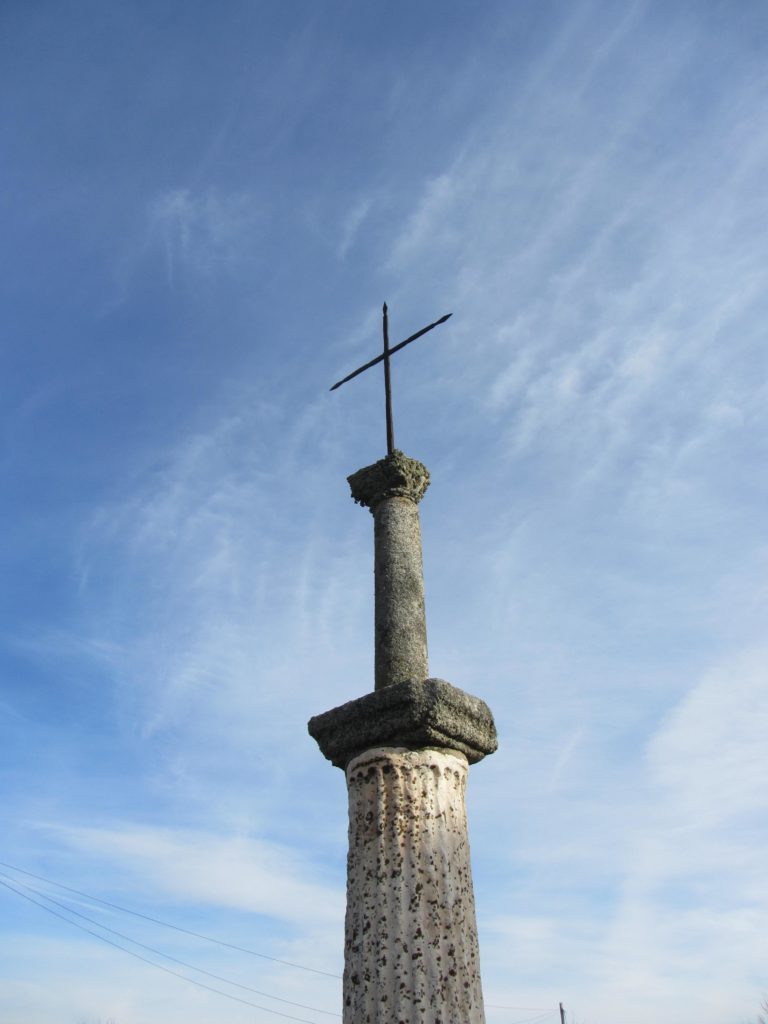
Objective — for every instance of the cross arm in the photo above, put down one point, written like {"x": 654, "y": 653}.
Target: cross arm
{"x": 395, "y": 348}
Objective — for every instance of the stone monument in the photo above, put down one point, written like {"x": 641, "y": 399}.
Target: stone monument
{"x": 411, "y": 952}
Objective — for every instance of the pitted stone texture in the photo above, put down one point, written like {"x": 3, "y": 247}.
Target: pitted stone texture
{"x": 427, "y": 714}
{"x": 392, "y": 488}
{"x": 396, "y": 476}
{"x": 411, "y": 951}
{"x": 400, "y": 616}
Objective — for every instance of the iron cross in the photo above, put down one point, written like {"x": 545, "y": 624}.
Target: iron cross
{"x": 385, "y": 357}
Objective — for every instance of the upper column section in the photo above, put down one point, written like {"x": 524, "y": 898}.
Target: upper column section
{"x": 391, "y": 488}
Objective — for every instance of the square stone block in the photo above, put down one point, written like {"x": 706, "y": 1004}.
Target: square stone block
{"x": 431, "y": 713}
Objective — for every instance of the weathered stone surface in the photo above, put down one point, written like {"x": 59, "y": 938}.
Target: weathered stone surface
{"x": 400, "y": 616}
{"x": 431, "y": 713}
{"x": 411, "y": 952}
{"x": 392, "y": 488}
{"x": 395, "y": 476}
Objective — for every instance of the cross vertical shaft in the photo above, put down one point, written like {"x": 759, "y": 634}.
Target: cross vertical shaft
{"x": 387, "y": 384}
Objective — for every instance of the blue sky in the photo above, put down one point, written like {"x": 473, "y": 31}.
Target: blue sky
{"x": 204, "y": 207}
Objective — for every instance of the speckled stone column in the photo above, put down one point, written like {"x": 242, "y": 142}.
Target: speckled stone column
{"x": 411, "y": 954}
{"x": 392, "y": 489}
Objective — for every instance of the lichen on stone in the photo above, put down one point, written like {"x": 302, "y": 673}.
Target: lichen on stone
{"x": 395, "y": 476}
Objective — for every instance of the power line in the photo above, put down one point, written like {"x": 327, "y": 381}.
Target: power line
{"x": 547, "y": 1012}
{"x": 167, "y": 956}
{"x": 167, "y": 970}
{"x": 166, "y": 924}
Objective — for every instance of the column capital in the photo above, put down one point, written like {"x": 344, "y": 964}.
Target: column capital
{"x": 395, "y": 476}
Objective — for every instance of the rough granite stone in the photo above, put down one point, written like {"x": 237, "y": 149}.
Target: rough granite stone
{"x": 400, "y": 617}
{"x": 431, "y": 713}
{"x": 395, "y": 476}
{"x": 392, "y": 488}
{"x": 411, "y": 953}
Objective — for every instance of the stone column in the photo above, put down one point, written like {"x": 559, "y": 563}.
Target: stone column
{"x": 392, "y": 489}
{"x": 411, "y": 953}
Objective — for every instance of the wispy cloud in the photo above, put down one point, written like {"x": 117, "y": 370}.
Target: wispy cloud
{"x": 607, "y": 295}
{"x": 219, "y": 593}
{"x": 690, "y": 888}
{"x": 707, "y": 755}
{"x": 352, "y": 223}
{"x": 248, "y": 874}
{"x": 203, "y": 232}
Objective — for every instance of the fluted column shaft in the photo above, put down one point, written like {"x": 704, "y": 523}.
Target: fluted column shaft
{"x": 411, "y": 952}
